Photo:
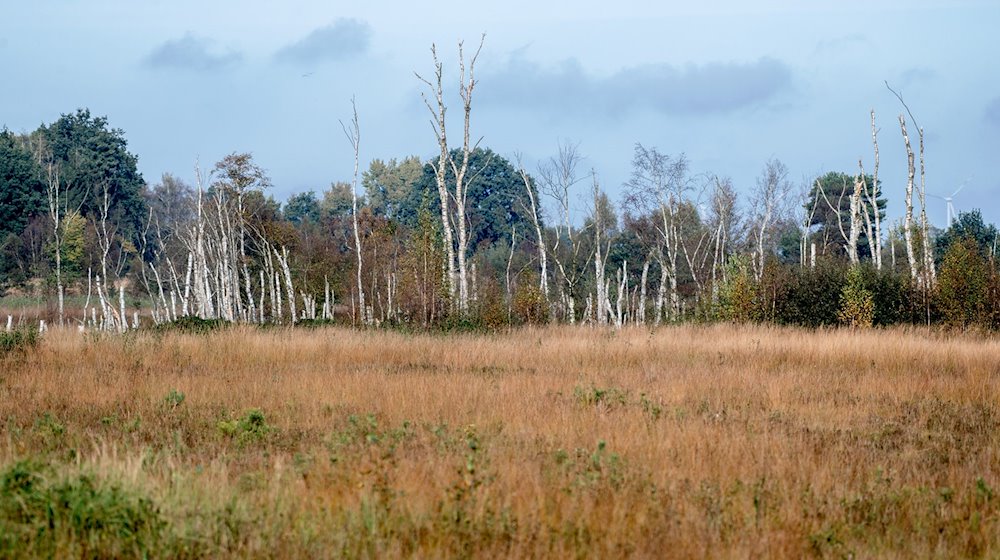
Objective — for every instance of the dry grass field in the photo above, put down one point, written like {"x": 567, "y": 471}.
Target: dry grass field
{"x": 715, "y": 441}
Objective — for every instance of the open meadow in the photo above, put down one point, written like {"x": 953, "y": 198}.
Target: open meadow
{"x": 690, "y": 441}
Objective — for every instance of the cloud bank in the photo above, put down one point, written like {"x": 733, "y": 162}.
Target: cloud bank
{"x": 992, "y": 113}
{"x": 342, "y": 39}
{"x": 712, "y": 88}
{"x": 191, "y": 52}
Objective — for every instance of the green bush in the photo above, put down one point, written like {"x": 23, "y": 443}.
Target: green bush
{"x": 529, "y": 305}
{"x": 857, "y": 304}
{"x": 17, "y": 341}
{"x": 962, "y": 293}
{"x": 812, "y": 298}
{"x": 738, "y": 293}
{"x": 45, "y": 515}
{"x": 251, "y": 427}
{"x": 193, "y": 325}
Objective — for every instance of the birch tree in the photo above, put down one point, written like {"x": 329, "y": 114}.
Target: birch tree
{"x": 458, "y": 272}
{"x": 659, "y": 183}
{"x": 353, "y": 134}
{"x": 927, "y": 261}
{"x": 768, "y": 201}
{"x": 557, "y": 180}
{"x": 543, "y": 285}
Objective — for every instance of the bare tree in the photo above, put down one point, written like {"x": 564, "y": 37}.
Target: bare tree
{"x": 459, "y": 168}
{"x": 722, "y": 222}
{"x": 353, "y": 134}
{"x": 908, "y": 215}
{"x": 872, "y": 199}
{"x": 56, "y": 213}
{"x": 600, "y": 253}
{"x": 543, "y": 283}
{"x": 659, "y": 184}
{"x": 557, "y": 178}
{"x": 928, "y": 257}
{"x": 769, "y": 199}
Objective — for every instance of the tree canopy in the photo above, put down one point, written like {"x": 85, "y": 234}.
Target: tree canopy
{"x": 90, "y": 156}
{"x": 969, "y": 225}
{"x": 22, "y": 192}
{"x": 829, "y": 204}
{"x": 497, "y": 198}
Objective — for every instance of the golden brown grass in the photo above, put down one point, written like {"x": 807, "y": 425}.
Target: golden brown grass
{"x": 692, "y": 441}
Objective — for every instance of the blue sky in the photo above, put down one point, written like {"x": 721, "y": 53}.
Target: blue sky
{"x": 730, "y": 83}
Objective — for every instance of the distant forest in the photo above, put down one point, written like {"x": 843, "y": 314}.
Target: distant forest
{"x": 461, "y": 240}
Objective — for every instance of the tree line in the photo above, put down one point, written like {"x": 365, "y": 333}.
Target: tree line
{"x": 464, "y": 238}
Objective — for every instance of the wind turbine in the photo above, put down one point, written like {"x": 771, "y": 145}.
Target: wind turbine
{"x": 951, "y": 216}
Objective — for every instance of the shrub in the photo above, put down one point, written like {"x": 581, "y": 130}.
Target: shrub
{"x": 963, "y": 286}
{"x": 251, "y": 427}
{"x": 812, "y": 298}
{"x": 529, "y": 303}
{"x": 173, "y": 399}
{"x": 17, "y": 341}
{"x": 193, "y": 325}
{"x": 857, "y": 304}
{"x": 738, "y": 293}
{"x": 44, "y": 515}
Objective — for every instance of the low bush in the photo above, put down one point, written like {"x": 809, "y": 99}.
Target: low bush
{"x": 192, "y": 325}
{"x": 43, "y": 514}
{"x": 17, "y": 341}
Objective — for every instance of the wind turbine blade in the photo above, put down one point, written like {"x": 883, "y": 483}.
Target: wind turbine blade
{"x": 936, "y": 196}
{"x": 958, "y": 189}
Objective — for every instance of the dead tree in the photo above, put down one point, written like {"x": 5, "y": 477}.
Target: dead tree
{"x": 458, "y": 279}
{"x": 872, "y": 199}
{"x": 543, "y": 282}
{"x": 930, "y": 274}
{"x": 769, "y": 199}
{"x": 557, "y": 177}
{"x": 353, "y": 135}
{"x": 804, "y": 245}
{"x": 658, "y": 183}
{"x": 600, "y": 255}
{"x": 56, "y": 214}
{"x": 908, "y": 215}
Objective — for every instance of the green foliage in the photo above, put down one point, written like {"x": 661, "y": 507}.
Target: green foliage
{"x": 18, "y": 341}
{"x": 969, "y": 225}
{"x": 73, "y": 245}
{"x": 302, "y": 208}
{"x": 90, "y": 155}
{"x": 528, "y": 305}
{"x": 192, "y": 325}
{"x": 963, "y": 286}
{"x": 22, "y": 192}
{"x": 738, "y": 292}
{"x": 497, "y": 200}
{"x": 49, "y": 429}
{"x": 173, "y": 399}
{"x": 610, "y": 397}
{"x": 250, "y": 428}
{"x": 857, "y": 304}
{"x": 45, "y": 515}
{"x": 388, "y": 183}
{"x": 838, "y": 188}
{"x": 811, "y": 296}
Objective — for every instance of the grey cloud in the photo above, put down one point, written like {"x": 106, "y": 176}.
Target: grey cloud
{"x": 840, "y": 43}
{"x": 191, "y": 52}
{"x": 718, "y": 87}
{"x": 992, "y": 112}
{"x": 341, "y": 39}
{"x": 917, "y": 74}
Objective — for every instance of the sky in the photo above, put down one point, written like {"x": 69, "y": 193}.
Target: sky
{"x": 729, "y": 83}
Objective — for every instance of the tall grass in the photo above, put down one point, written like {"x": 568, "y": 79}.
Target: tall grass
{"x": 716, "y": 441}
